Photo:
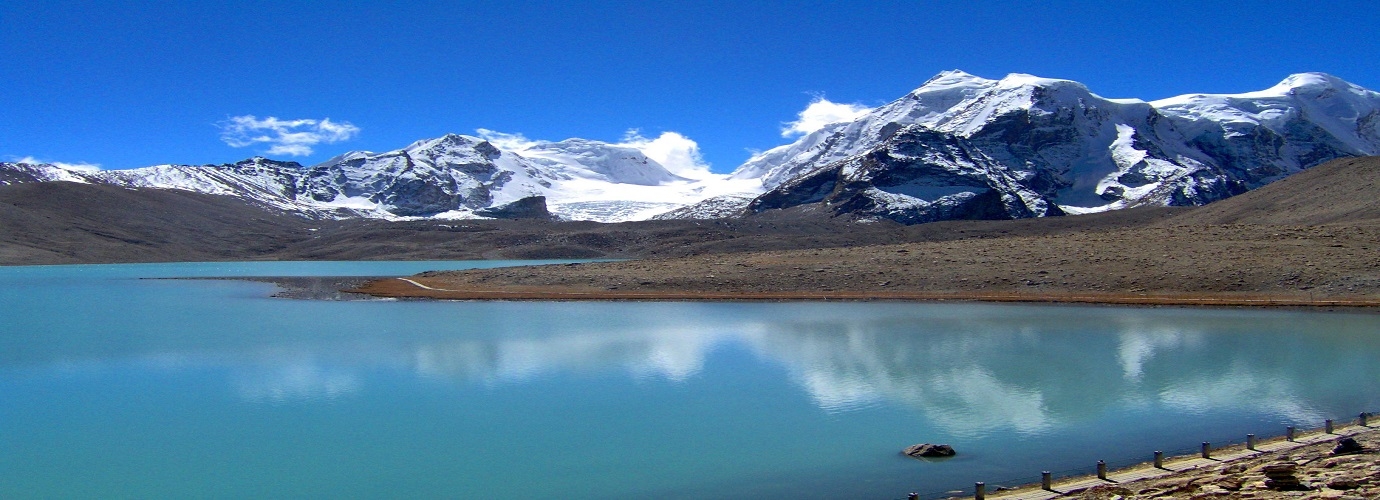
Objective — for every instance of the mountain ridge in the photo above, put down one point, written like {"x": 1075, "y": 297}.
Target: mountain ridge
{"x": 1025, "y": 146}
{"x": 68, "y": 223}
{"x": 957, "y": 147}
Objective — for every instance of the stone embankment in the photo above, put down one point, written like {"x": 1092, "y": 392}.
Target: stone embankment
{"x": 1315, "y": 465}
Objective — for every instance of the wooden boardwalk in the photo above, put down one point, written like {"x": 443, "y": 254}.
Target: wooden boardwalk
{"x": 1171, "y": 465}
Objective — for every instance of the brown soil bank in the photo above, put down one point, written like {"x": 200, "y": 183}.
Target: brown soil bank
{"x": 1180, "y": 264}
{"x": 1311, "y": 239}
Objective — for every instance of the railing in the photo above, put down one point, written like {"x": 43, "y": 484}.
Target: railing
{"x": 1099, "y": 470}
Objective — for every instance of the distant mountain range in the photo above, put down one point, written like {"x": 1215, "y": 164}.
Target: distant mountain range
{"x": 451, "y": 177}
{"x": 963, "y": 147}
{"x": 958, "y": 147}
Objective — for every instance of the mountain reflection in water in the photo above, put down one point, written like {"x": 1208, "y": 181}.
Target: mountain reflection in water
{"x": 685, "y": 399}
{"x": 969, "y": 368}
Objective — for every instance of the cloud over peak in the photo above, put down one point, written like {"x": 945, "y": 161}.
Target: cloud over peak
{"x": 80, "y": 166}
{"x": 284, "y": 137}
{"x": 819, "y": 113}
{"x": 678, "y": 153}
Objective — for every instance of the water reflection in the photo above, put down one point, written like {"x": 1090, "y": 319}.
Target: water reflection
{"x": 695, "y": 400}
{"x": 674, "y": 354}
{"x": 1139, "y": 346}
{"x": 969, "y": 369}
{"x": 970, "y": 373}
{"x": 1029, "y": 369}
{"x": 294, "y": 381}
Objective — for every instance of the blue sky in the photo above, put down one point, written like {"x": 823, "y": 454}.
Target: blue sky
{"x": 130, "y": 84}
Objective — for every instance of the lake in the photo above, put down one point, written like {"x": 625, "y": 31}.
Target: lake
{"x": 113, "y": 386}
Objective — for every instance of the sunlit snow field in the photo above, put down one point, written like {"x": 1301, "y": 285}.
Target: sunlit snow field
{"x": 112, "y": 386}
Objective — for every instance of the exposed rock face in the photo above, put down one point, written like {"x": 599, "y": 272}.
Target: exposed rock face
{"x": 902, "y": 181}
{"x": 453, "y": 172}
{"x": 963, "y": 147}
{"x": 531, "y": 207}
{"x": 928, "y": 450}
{"x": 718, "y": 207}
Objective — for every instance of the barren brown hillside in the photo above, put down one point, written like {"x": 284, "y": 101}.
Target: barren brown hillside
{"x": 1261, "y": 247}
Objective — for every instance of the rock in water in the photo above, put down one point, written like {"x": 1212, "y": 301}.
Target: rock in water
{"x": 1347, "y": 445}
{"x": 928, "y": 450}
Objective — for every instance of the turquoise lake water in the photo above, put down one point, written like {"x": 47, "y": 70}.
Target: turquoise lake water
{"x": 112, "y": 386}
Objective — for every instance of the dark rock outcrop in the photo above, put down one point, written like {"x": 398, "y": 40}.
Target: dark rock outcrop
{"x": 903, "y": 181}
{"x": 1347, "y": 445}
{"x": 927, "y": 450}
{"x": 531, "y": 207}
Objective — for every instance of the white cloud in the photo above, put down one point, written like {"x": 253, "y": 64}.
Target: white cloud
{"x": 82, "y": 166}
{"x": 284, "y": 137}
{"x": 819, "y": 113}
{"x": 506, "y": 141}
{"x": 676, "y": 152}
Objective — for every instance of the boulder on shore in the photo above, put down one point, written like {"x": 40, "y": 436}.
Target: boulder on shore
{"x": 1347, "y": 445}
{"x": 1280, "y": 476}
{"x": 928, "y": 450}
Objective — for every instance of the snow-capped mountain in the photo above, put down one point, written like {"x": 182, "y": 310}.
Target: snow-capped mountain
{"x": 926, "y": 105}
{"x": 961, "y": 146}
{"x": 16, "y": 173}
{"x": 454, "y": 176}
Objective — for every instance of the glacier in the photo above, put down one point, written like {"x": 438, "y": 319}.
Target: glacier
{"x": 958, "y": 147}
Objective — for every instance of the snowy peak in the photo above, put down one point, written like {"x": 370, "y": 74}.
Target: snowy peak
{"x": 1300, "y": 86}
{"x": 264, "y": 164}
{"x": 958, "y": 146}
{"x": 20, "y": 173}
{"x": 962, "y": 146}
{"x": 958, "y": 101}
{"x": 1314, "y": 83}
{"x": 952, "y": 101}
{"x": 452, "y": 176}
{"x": 1023, "y": 80}
{"x": 1303, "y": 105}
{"x": 453, "y": 149}
{"x": 600, "y": 160}
{"x": 954, "y": 78}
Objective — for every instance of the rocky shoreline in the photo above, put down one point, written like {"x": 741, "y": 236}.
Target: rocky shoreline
{"x": 1279, "y": 469}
